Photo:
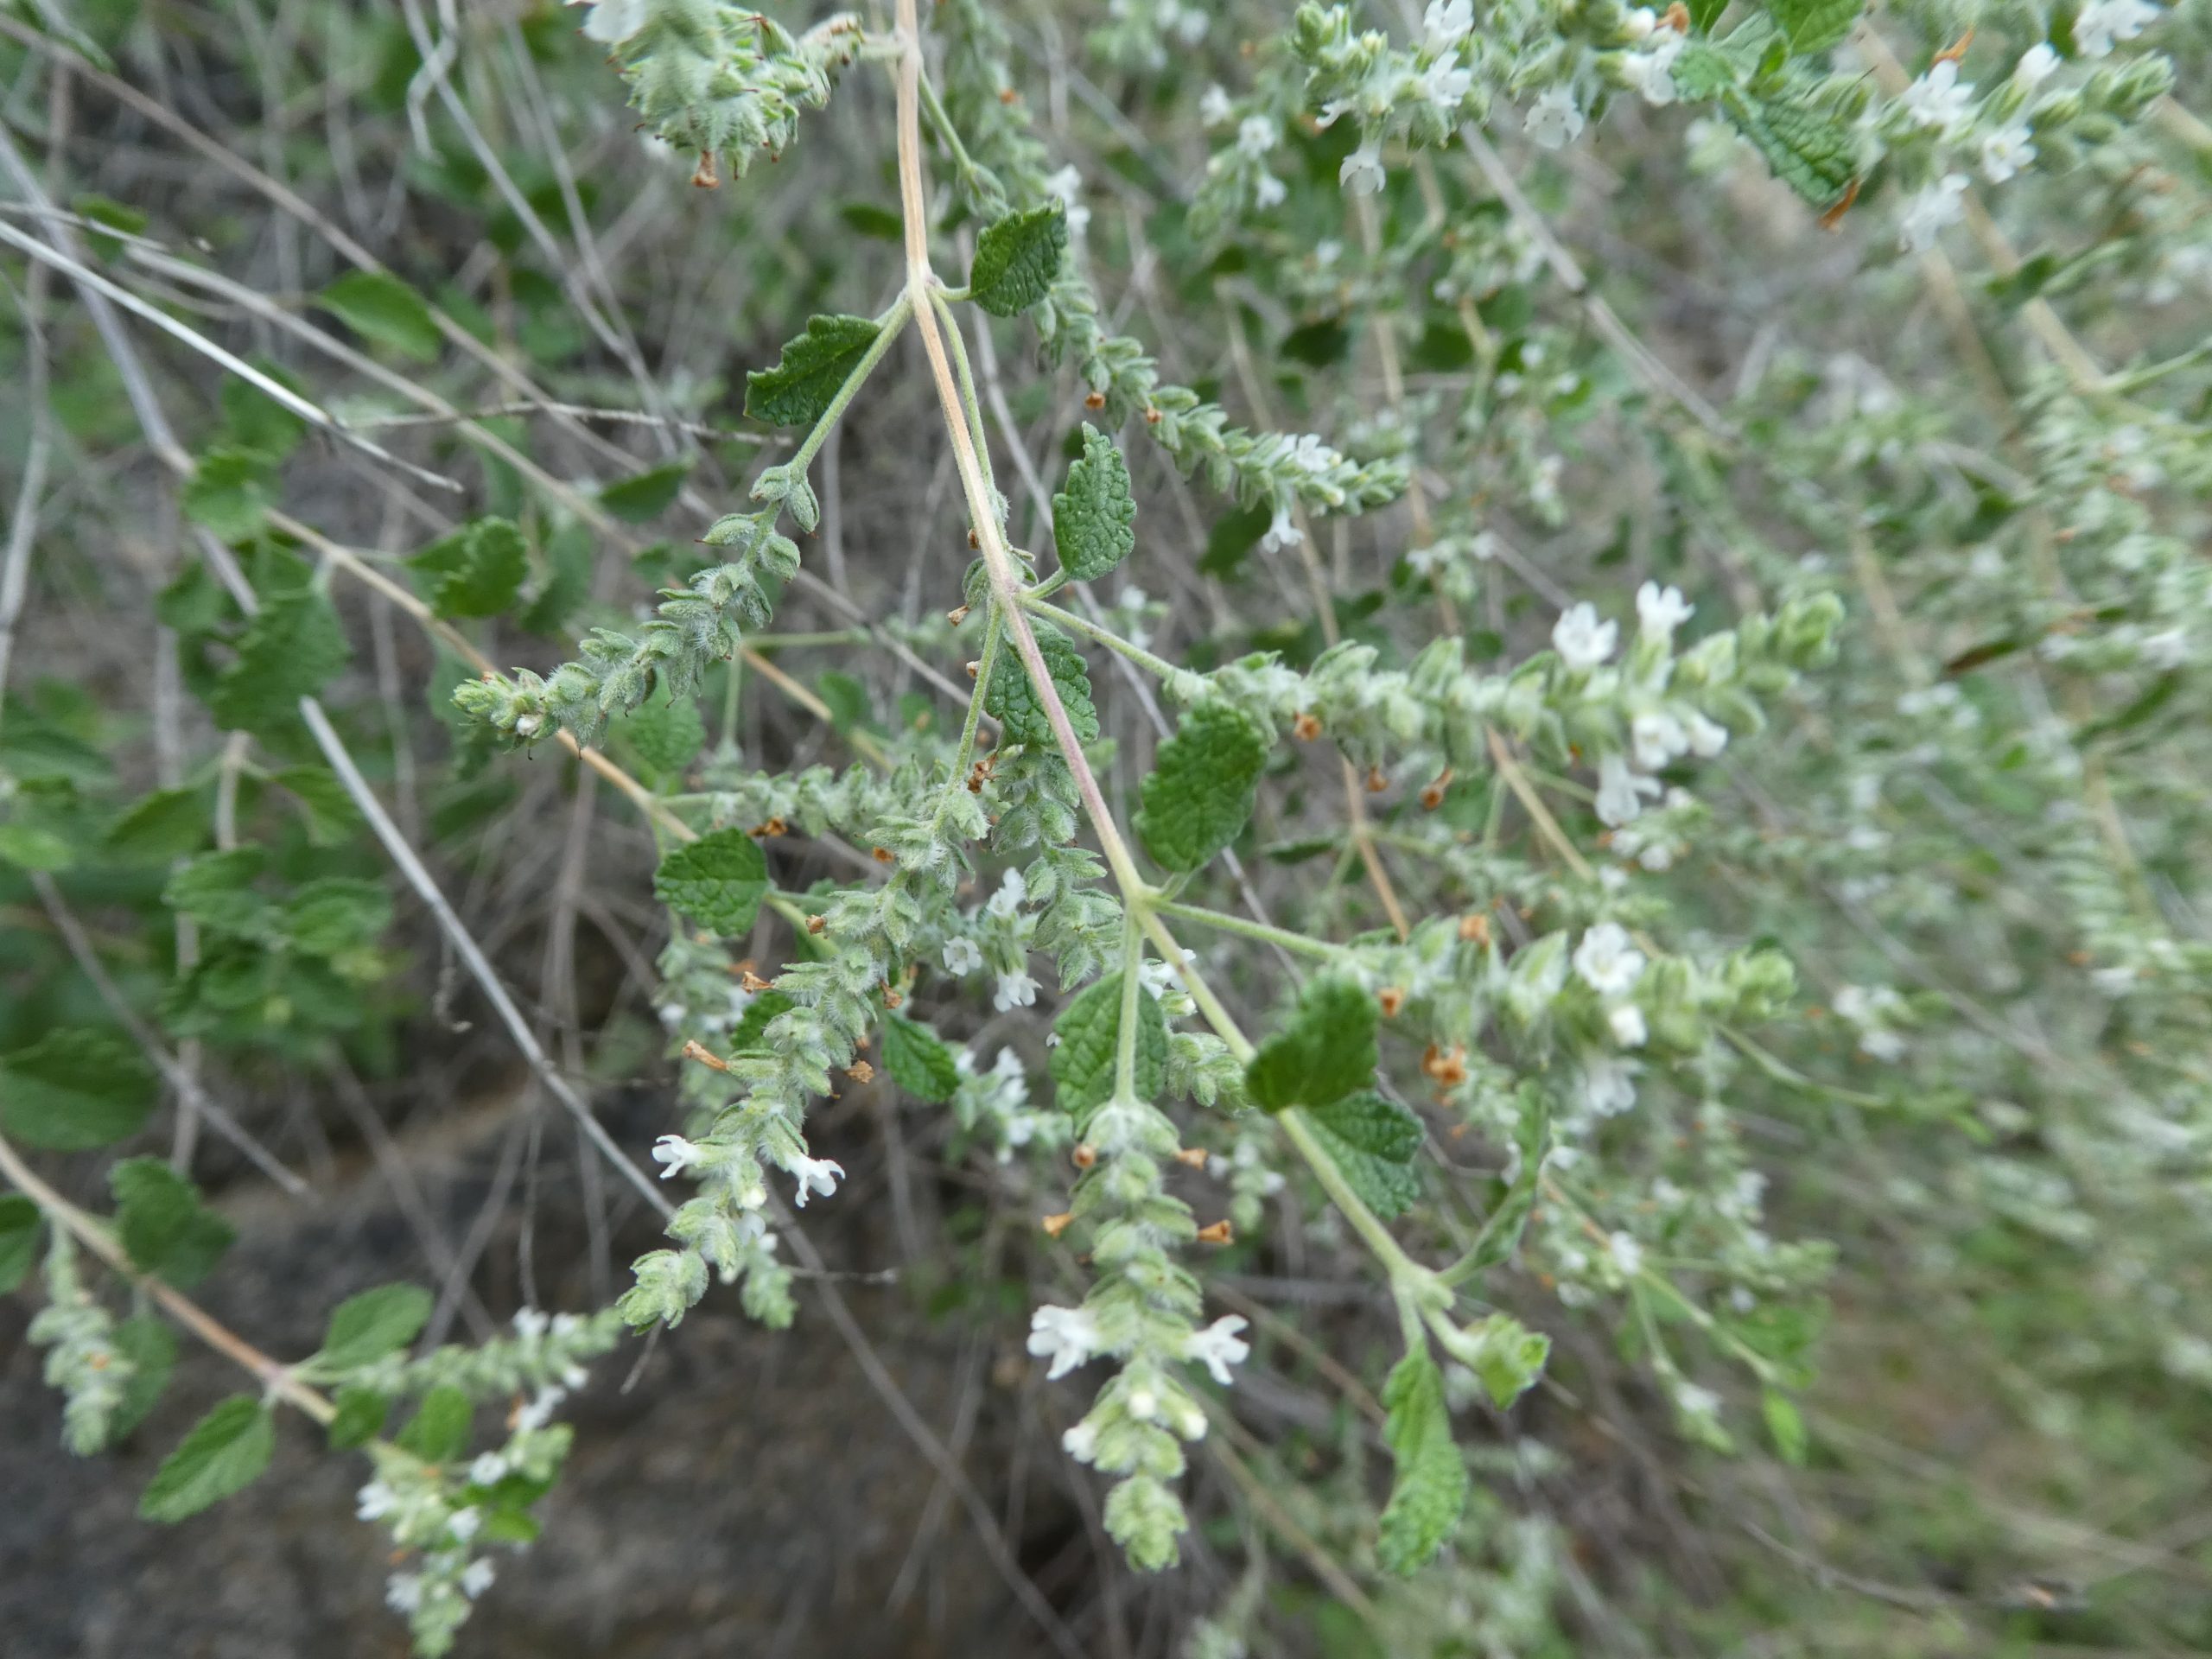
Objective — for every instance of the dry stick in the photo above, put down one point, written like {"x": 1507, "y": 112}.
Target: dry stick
{"x": 276, "y": 392}
{"x": 186, "y": 1086}
{"x": 88, "y": 1231}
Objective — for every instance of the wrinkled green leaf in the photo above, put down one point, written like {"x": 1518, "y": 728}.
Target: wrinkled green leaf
{"x": 1017, "y": 259}
{"x": 1327, "y": 1050}
{"x": 799, "y": 390}
{"x": 334, "y": 915}
{"x": 165, "y": 1229}
{"x": 229, "y": 491}
{"x": 225, "y": 1450}
{"x": 331, "y": 815}
{"x": 1429, "y": 1492}
{"x": 365, "y": 1328}
{"x": 1092, "y": 518}
{"x": 1013, "y": 700}
{"x": 1810, "y": 150}
{"x": 20, "y": 1221}
{"x": 1083, "y": 1061}
{"x": 76, "y": 1089}
{"x": 918, "y": 1061}
{"x": 1204, "y": 782}
{"x": 647, "y": 494}
{"x": 438, "y": 1431}
{"x": 475, "y": 571}
{"x": 285, "y": 653}
{"x": 1814, "y": 25}
{"x": 150, "y": 1347}
{"x": 1373, "y": 1140}
{"x": 718, "y": 880}
{"x": 378, "y": 307}
{"x": 165, "y": 824}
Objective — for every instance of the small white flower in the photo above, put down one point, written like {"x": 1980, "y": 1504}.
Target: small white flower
{"x": 1067, "y": 185}
{"x": 1608, "y": 1086}
{"x": 476, "y": 1578}
{"x": 1447, "y": 23}
{"x": 1282, "y": 530}
{"x": 1650, "y": 73}
{"x": 1081, "y": 1442}
{"x": 612, "y": 21}
{"x": 2036, "y": 65}
{"x": 1660, "y": 611}
{"x": 1656, "y": 737}
{"x": 1694, "y": 1401}
{"x": 1607, "y": 961}
{"x": 1927, "y": 211}
{"x": 464, "y": 1524}
{"x": 1553, "y": 121}
{"x": 1446, "y": 85}
{"x": 1144, "y": 1405}
{"x": 1937, "y": 99}
{"x": 1582, "y": 641}
{"x": 1640, "y": 22}
{"x": 2101, "y": 22}
{"x": 815, "y": 1175}
{"x": 1016, "y": 990}
{"x": 1067, "y": 1336}
{"x": 1620, "y": 792}
{"x": 488, "y": 1469}
{"x": 1006, "y": 903}
{"x": 1269, "y": 191}
{"x": 961, "y": 956}
{"x": 403, "y": 1593}
{"x": 1258, "y": 134}
{"x": 2006, "y": 152}
{"x": 1626, "y": 1022}
{"x": 539, "y": 1412}
{"x": 1879, "y": 1044}
{"x": 1218, "y": 1347}
{"x": 1214, "y": 105}
{"x": 1707, "y": 737}
{"x": 677, "y": 1153}
{"x": 377, "y": 1501}
{"x": 1361, "y": 171}
{"x": 530, "y": 1323}
{"x": 1627, "y": 1254}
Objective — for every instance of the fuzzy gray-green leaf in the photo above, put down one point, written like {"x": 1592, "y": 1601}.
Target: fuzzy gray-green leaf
{"x": 1202, "y": 786}
{"x": 799, "y": 390}
{"x": 1092, "y": 518}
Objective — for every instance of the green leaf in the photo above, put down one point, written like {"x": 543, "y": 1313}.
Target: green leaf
{"x": 918, "y": 1060}
{"x": 1704, "y": 14}
{"x": 647, "y": 494}
{"x": 805, "y": 381}
{"x": 365, "y": 1328}
{"x": 475, "y": 571}
{"x": 1011, "y": 699}
{"x": 76, "y": 1089}
{"x": 165, "y": 824}
{"x": 164, "y": 1228}
{"x": 1508, "y": 1357}
{"x": 1787, "y": 1425}
{"x": 331, "y": 815}
{"x": 1326, "y": 1051}
{"x": 1092, "y": 517}
{"x": 217, "y": 889}
{"x": 1204, "y": 782}
{"x": 1430, "y": 1489}
{"x": 1082, "y": 1063}
{"x": 255, "y": 420}
{"x": 227, "y": 1451}
{"x": 228, "y": 491}
{"x": 1814, "y": 25}
{"x": 664, "y": 734}
{"x": 337, "y": 914}
{"x": 1373, "y": 1141}
{"x": 286, "y": 653}
{"x": 378, "y": 307}
{"x": 1808, "y": 149}
{"x": 1702, "y": 72}
{"x": 438, "y": 1431}
{"x": 20, "y": 1220}
{"x": 32, "y": 847}
{"x": 360, "y": 1417}
{"x": 150, "y": 1346}
{"x": 116, "y": 215}
{"x": 1017, "y": 260}
{"x": 718, "y": 880}
{"x": 764, "y": 1007}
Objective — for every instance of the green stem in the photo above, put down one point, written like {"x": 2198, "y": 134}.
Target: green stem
{"x": 948, "y": 135}
{"x": 1407, "y": 1277}
{"x": 1157, "y": 666}
{"x": 1261, "y": 931}
{"x": 961, "y": 759}
{"x": 887, "y": 329}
